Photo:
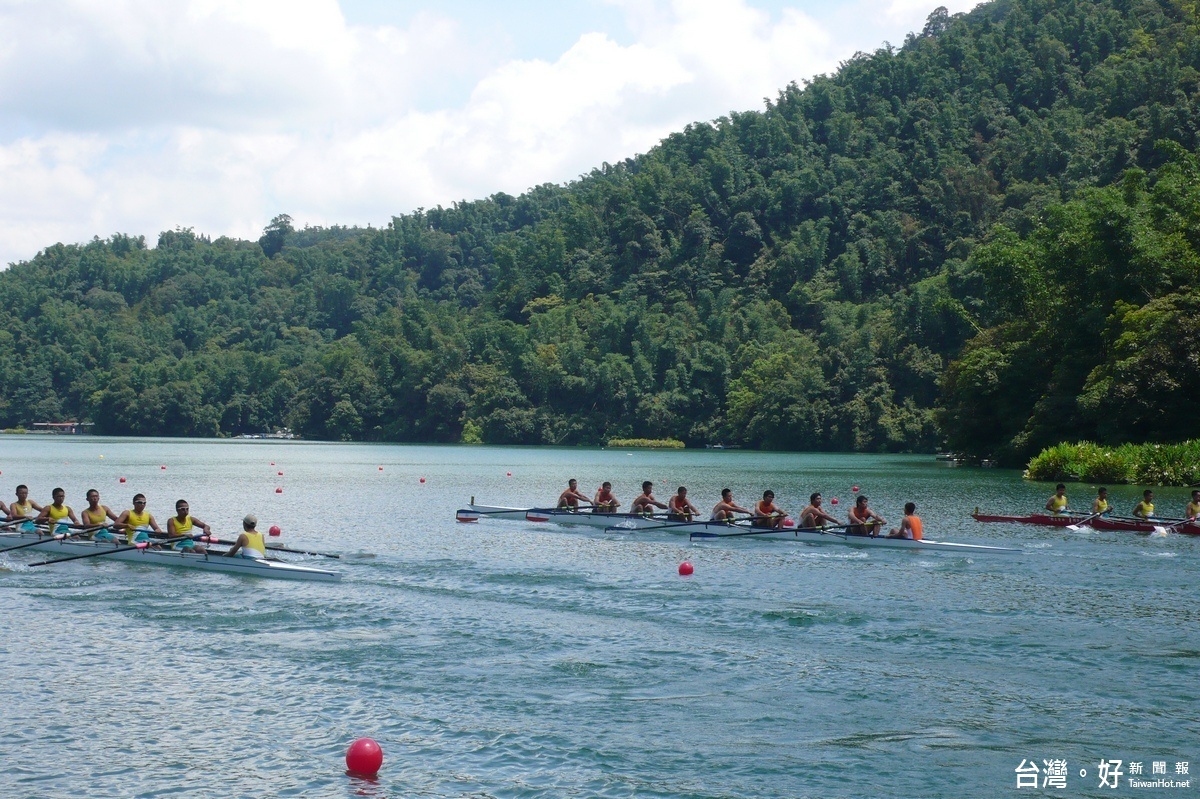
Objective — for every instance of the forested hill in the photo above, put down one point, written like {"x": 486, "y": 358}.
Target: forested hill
{"x": 985, "y": 237}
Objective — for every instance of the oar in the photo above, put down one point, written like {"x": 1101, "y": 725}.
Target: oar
{"x": 764, "y": 531}
{"x": 114, "y": 550}
{"x": 1083, "y": 522}
{"x": 468, "y": 515}
{"x": 1164, "y": 529}
{"x": 212, "y": 539}
{"x": 540, "y": 515}
{"x": 59, "y": 537}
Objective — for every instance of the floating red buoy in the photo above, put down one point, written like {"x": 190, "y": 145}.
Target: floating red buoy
{"x": 163, "y": 467}
{"x": 422, "y": 481}
{"x": 509, "y": 474}
{"x": 833, "y": 501}
{"x": 122, "y": 480}
{"x": 854, "y": 489}
{"x": 272, "y": 463}
{"x": 381, "y": 468}
{"x": 279, "y": 473}
{"x": 685, "y": 568}
{"x": 364, "y": 757}
{"x": 275, "y": 530}
{"x": 278, "y": 490}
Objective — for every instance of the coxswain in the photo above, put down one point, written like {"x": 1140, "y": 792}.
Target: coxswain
{"x": 24, "y": 507}
{"x": 767, "y": 513}
{"x": 54, "y": 513}
{"x": 1057, "y": 504}
{"x": 182, "y": 523}
{"x": 680, "y": 508}
{"x": 1101, "y": 506}
{"x": 250, "y": 543}
{"x": 814, "y": 516}
{"x": 98, "y": 516}
{"x": 1145, "y": 508}
{"x": 910, "y": 525}
{"x": 723, "y": 511}
{"x": 137, "y": 522}
{"x": 604, "y": 501}
{"x": 863, "y": 520}
{"x": 570, "y": 499}
{"x": 645, "y": 503}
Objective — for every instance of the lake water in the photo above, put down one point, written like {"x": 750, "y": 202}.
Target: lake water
{"x": 507, "y": 659}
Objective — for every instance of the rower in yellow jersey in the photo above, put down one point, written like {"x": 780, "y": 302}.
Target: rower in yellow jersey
{"x": 182, "y": 523}
{"x": 250, "y": 543}
{"x": 1145, "y": 508}
{"x": 137, "y": 522}
{"x": 1100, "y": 506}
{"x": 54, "y": 513}
{"x": 1057, "y": 504}
{"x": 24, "y": 507}
{"x": 1193, "y": 508}
{"x": 98, "y": 516}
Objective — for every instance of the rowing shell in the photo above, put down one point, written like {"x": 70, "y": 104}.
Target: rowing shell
{"x": 626, "y": 521}
{"x": 1116, "y": 523}
{"x": 809, "y": 536}
{"x": 258, "y": 567}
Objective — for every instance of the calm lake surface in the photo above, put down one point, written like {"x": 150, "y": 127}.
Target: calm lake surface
{"x": 507, "y": 659}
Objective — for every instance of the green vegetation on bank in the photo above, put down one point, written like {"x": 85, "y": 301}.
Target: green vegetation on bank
{"x": 1144, "y": 464}
{"x": 986, "y": 237}
{"x": 647, "y": 443}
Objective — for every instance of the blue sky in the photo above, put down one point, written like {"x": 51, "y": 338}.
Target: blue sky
{"x": 137, "y": 116}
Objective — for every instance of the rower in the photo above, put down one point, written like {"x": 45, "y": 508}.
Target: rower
{"x": 767, "y": 513}
{"x": 1145, "y": 508}
{"x": 24, "y": 507}
{"x": 1057, "y": 504}
{"x": 813, "y": 515}
{"x": 863, "y": 520}
{"x": 137, "y": 522}
{"x": 1101, "y": 506}
{"x": 1193, "y": 508}
{"x": 680, "y": 508}
{"x": 604, "y": 501}
{"x": 250, "y": 543}
{"x": 54, "y": 513}
{"x": 645, "y": 503}
{"x": 910, "y": 525}
{"x": 570, "y": 499}
{"x": 182, "y": 523}
{"x": 723, "y": 511}
{"x": 97, "y": 515}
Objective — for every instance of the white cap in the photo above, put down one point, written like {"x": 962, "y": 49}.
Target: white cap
{"x": 250, "y": 521}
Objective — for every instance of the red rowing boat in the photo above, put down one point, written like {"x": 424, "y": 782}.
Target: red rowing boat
{"x": 1118, "y": 523}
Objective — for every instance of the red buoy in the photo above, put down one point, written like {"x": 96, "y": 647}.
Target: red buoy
{"x": 122, "y": 480}
{"x": 364, "y": 757}
{"x": 854, "y": 489}
{"x": 685, "y": 568}
{"x": 278, "y": 490}
{"x": 381, "y": 468}
{"x": 509, "y": 474}
{"x": 275, "y": 530}
{"x": 422, "y": 481}
{"x": 279, "y": 473}
{"x": 833, "y": 501}
{"x": 272, "y": 463}
{"x": 163, "y": 467}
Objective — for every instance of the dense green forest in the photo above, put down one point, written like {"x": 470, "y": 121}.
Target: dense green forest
{"x": 986, "y": 238}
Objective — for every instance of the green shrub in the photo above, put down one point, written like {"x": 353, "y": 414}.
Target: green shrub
{"x": 647, "y": 443}
{"x": 1143, "y": 464}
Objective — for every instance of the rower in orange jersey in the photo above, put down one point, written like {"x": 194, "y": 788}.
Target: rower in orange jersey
{"x": 863, "y": 520}
{"x": 723, "y": 511}
{"x": 767, "y": 513}
{"x": 814, "y": 515}
{"x": 910, "y": 525}
{"x": 680, "y": 508}
{"x": 645, "y": 503}
{"x": 604, "y": 501}
{"x": 570, "y": 499}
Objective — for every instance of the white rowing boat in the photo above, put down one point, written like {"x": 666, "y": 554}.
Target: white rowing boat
{"x": 713, "y": 530}
{"x": 583, "y": 517}
{"x": 258, "y": 567}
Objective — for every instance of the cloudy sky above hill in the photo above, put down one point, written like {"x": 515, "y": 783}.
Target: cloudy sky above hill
{"x": 137, "y": 116}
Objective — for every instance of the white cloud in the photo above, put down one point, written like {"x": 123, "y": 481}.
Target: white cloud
{"x": 139, "y": 116}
